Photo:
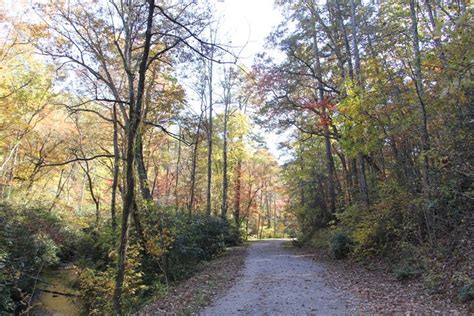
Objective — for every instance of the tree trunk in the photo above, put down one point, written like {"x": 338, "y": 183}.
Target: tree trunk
{"x": 194, "y": 163}
{"x": 340, "y": 22}
{"x": 113, "y": 205}
{"x": 135, "y": 109}
{"x": 178, "y": 160}
{"x": 238, "y": 191}
{"x": 209, "y": 144}
{"x": 436, "y": 37}
{"x": 90, "y": 184}
{"x": 420, "y": 93}
{"x": 225, "y": 179}
{"x": 141, "y": 169}
{"x": 358, "y": 76}
{"x": 325, "y": 120}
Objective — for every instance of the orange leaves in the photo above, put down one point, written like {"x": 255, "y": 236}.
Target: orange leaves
{"x": 316, "y": 106}
{"x": 322, "y": 108}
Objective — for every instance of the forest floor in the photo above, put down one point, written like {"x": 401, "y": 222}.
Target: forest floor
{"x": 377, "y": 291}
{"x": 191, "y": 295}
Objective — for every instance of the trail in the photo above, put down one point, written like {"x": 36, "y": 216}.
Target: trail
{"x": 278, "y": 282}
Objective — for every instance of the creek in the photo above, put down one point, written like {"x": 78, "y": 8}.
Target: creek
{"x": 50, "y": 298}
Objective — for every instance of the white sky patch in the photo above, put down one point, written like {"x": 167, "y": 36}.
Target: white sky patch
{"x": 247, "y": 23}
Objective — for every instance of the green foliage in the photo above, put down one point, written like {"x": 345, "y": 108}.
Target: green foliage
{"x": 96, "y": 287}
{"x": 385, "y": 227}
{"x": 176, "y": 243}
{"x": 91, "y": 247}
{"x": 29, "y": 243}
{"x": 341, "y": 245}
{"x": 179, "y": 241}
{"x": 232, "y": 235}
{"x": 406, "y": 272}
{"x": 466, "y": 293}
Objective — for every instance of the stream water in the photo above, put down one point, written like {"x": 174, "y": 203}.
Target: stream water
{"x": 53, "y": 304}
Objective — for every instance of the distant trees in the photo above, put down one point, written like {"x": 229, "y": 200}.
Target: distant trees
{"x": 369, "y": 90}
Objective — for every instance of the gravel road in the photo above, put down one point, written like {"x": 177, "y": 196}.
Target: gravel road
{"x": 276, "y": 281}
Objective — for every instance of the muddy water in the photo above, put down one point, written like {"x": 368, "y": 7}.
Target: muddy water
{"x": 53, "y": 304}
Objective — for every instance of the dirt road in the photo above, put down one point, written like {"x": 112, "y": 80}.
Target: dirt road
{"x": 276, "y": 281}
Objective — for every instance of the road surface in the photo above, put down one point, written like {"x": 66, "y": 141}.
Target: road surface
{"x": 276, "y": 281}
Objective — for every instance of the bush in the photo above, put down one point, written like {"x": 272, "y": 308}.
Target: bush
{"x": 406, "y": 272}
{"x": 96, "y": 288}
{"x": 466, "y": 293}
{"x": 174, "y": 245}
{"x": 233, "y": 235}
{"x": 91, "y": 247}
{"x": 341, "y": 245}
{"x": 29, "y": 241}
{"x": 178, "y": 242}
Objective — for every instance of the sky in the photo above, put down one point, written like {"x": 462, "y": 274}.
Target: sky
{"x": 247, "y": 23}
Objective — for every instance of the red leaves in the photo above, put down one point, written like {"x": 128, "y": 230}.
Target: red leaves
{"x": 316, "y": 106}
{"x": 322, "y": 108}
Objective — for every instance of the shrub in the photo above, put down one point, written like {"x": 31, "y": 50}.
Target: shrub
{"x": 233, "y": 235}
{"x": 175, "y": 244}
{"x": 406, "y": 272}
{"x": 96, "y": 288}
{"x": 28, "y": 243}
{"x": 341, "y": 245}
{"x": 466, "y": 293}
{"x": 179, "y": 241}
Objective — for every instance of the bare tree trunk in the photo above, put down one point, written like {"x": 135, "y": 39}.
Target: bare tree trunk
{"x": 81, "y": 196}
{"x": 358, "y": 76}
{"x": 90, "y": 183}
{"x": 355, "y": 43}
{"x": 178, "y": 160}
{"x": 346, "y": 176}
{"x": 425, "y": 145}
{"x": 193, "y": 167}
{"x": 135, "y": 109}
{"x": 325, "y": 119}
{"x": 268, "y": 206}
{"x": 238, "y": 190}
{"x": 259, "y": 234}
{"x": 340, "y": 22}
{"x": 11, "y": 174}
{"x": 113, "y": 205}
{"x": 209, "y": 143}
{"x": 225, "y": 184}
{"x": 58, "y": 190}
{"x": 155, "y": 187}
{"x": 141, "y": 169}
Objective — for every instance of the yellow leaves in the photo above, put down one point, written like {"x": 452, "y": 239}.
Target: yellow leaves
{"x": 157, "y": 246}
{"x": 154, "y": 249}
{"x": 38, "y": 30}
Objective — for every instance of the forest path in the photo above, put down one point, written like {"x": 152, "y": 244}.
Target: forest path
{"x": 276, "y": 281}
